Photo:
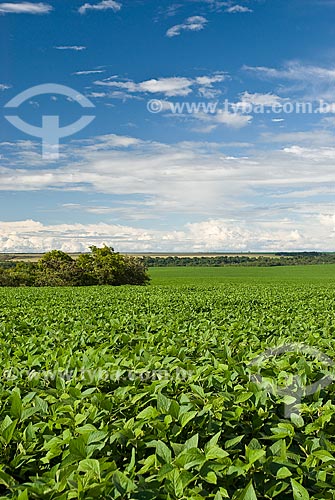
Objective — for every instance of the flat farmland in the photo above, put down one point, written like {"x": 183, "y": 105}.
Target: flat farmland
{"x": 150, "y": 392}
{"x": 221, "y": 275}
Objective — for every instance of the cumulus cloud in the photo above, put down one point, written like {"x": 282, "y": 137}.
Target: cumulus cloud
{"x": 235, "y": 202}
{"x": 175, "y": 86}
{"x": 194, "y": 23}
{"x": 170, "y": 87}
{"x": 25, "y": 8}
{"x": 3, "y": 86}
{"x": 207, "y": 235}
{"x": 105, "y": 5}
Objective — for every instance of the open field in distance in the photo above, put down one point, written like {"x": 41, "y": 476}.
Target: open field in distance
{"x": 34, "y": 257}
{"x": 262, "y": 275}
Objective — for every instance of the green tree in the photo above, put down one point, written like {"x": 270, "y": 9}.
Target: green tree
{"x": 57, "y": 268}
{"x": 5, "y": 279}
{"x": 103, "y": 266}
{"x": 22, "y": 274}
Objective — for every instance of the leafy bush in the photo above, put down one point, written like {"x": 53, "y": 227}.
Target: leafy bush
{"x": 102, "y": 266}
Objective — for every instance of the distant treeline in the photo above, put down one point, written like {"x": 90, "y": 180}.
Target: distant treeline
{"x": 278, "y": 259}
{"x": 102, "y": 266}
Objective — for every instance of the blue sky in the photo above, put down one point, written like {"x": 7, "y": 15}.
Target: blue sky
{"x": 229, "y": 162}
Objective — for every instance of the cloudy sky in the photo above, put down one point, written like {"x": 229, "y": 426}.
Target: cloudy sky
{"x": 213, "y": 125}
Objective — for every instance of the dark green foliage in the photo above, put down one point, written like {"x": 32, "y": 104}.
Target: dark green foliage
{"x": 56, "y": 268}
{"x": 101, "y": 267}
{"x": 145, "y": 393}
{"x": 274, "y": 260}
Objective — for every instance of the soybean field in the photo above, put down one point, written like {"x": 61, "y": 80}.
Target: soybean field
{"x": 176, "y": 390}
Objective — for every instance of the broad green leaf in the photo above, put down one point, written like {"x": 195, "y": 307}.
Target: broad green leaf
{"x": 8, "y": 430}
{"x": 215, "y": 452}
{"x": 213, "y": 441}
{"x": 244, "y": 396}
{"x": 211, "y": 477}
{"x": 233, "y": 442}
{"x": 248, "y": 493}
{"x": 123, "y": 483}
{"x": 16, "y": 406}
{"x": 252, "y": 455}
{"x": 6, "y": 479}
{"x": 90, "y": 465}
{"x": 187, "y": 417}
{"x": 299, "y": 492}
{"x": 177, "y": 484}
{"x": 283, "y": 473}
{"x": 78, "y": 447}
{"x": 163, "y": 452}
{"x": 190, "y": 458}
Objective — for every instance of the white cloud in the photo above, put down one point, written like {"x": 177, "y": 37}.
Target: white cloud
{"x": 207, "y": 81}
{"x": 206, "y": 235}
{"x": 329, "y": 121}
{"x": 206, "y": 88}
{"x": 194, "y": 23}
{"x": 232, "y": 198}
{"x": 3, "y": 86}
{"x": 315, "y": 154}
{"x": 170, "y": 87}
{"x": 305, "y": 193}
{"x": 227, "y": 6}
{"x": 310, "y": 82}
{"x": 89, "y": 72}
{"x": 213, "y": 120}
{"x": 117, "y": 141}
{"x": 234, "y": 9}
{"x": 76, "y": 48}
{"x": 98, "y": 95}
{"x": 25, "y": 8}
{"x": 215, "y": 5}
{"x": 175, "y": 86}
{"x": 194, "y": 173}
{"x": 268, "y": 99}
{"x": 105, "y": 5}
{"x": 294, "y": 71}
{"x": 249, "y": 101}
